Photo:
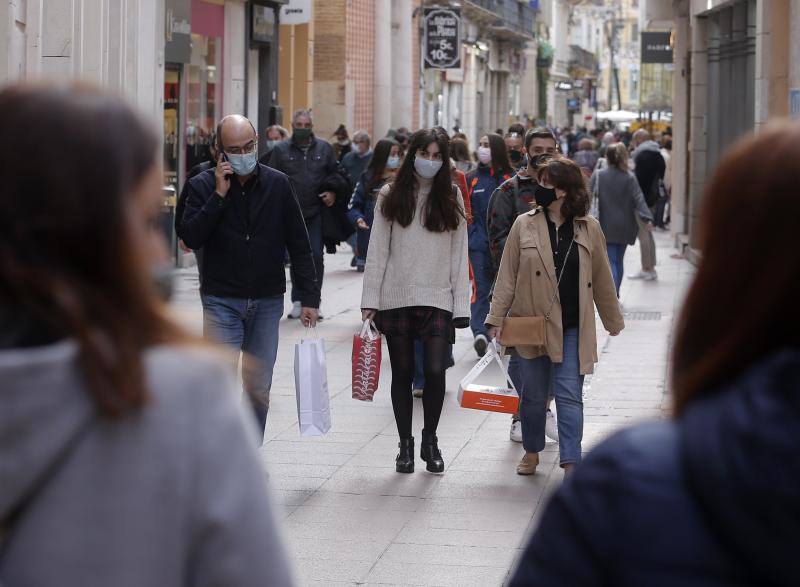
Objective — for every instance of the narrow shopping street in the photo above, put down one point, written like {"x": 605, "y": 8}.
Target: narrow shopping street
{"x": 350, "y": 519}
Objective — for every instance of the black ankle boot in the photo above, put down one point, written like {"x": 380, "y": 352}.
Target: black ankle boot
{"x": 405, "y": 458}
{"x": 430, "y": 453}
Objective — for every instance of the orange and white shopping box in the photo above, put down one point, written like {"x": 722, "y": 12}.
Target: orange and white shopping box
{"x": 490, "y": 398}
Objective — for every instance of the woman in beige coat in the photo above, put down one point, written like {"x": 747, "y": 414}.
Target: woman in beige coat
{"x": 555, "y": 263}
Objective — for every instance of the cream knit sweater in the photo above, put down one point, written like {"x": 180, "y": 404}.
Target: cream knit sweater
{"x": 413, "y": 266}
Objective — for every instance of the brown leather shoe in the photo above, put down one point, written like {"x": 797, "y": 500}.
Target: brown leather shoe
{"x": 528, "y": 464}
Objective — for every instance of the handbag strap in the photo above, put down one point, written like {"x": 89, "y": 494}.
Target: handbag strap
{"x": 560, "y": 275}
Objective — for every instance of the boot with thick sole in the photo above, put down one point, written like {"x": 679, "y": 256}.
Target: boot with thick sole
{"x": 430, "y": 453}
{"x": 405, "y": 458}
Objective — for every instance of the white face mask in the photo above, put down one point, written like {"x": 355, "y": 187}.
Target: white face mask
{"x": 485, "y": 155}
{"x": 427, "y": 168}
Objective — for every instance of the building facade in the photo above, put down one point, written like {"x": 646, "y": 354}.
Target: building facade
{"x": 182, "y": 63}
{"x": 736, "y": 68}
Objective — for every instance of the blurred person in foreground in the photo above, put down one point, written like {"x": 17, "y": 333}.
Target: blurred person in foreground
{"x": 712, "y": 496}
{"x": 146, "y": 473}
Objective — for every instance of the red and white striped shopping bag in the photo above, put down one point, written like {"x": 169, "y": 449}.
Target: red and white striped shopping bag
{"x": 366, "y": 362}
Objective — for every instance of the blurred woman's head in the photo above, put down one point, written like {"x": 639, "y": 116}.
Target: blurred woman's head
{"x": 492, "y": 151}
{"x": 385, "y": 159}
{"x": 617, "y": 156}
{"x": 77, "y": 239}
{"x": 744, "y": 302}
{"x": 459, "y": 150}
{"x": 586, "y": 145}
{"x": 566, "y": 178}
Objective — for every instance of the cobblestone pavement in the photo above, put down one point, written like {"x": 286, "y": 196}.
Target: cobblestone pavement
{"x": 350, "y": 519}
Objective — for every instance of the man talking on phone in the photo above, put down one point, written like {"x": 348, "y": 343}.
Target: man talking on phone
{"x": 245, "y": 215}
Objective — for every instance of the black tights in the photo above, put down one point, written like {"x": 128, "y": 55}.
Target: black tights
{"x": 401, "y": 355}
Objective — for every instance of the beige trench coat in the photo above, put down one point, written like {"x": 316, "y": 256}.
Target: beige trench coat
{"x": 526, "y": 284}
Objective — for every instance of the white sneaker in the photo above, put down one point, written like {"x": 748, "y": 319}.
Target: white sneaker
{"x": 417, "y": 392}
{"x": 297, "y": 309}
{"x": 516, "y": 431}
{"x": 640, "y": 275}
{"x": 480, "y": 344}
{"x": 650, "y": 275}
{"x": 551, "y": 426}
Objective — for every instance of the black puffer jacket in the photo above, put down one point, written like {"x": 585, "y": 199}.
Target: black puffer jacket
{"x": 307, "y": 170}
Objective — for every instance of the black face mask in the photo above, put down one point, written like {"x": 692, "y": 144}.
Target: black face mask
{"x": 515, "y": 157}
{"x": 544, "y": 196}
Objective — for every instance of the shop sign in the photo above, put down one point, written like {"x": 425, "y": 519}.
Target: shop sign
{"x": 178, "y": 33}
{"x": 656, "y": 47}
{"x": 296, "y": 12}
{"x": 262, "y": 24}
{"x": 442, "y": 38}
{"x": 564, "y": 86}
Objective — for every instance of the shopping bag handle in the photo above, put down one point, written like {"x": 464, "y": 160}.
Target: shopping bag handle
{"x": 369, "y": 331}
{"x": 313, "y": 329}
{"x": 499, "y": 351}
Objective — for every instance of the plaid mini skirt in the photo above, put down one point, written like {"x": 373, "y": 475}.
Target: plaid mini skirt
{"x": 417, "y": 322}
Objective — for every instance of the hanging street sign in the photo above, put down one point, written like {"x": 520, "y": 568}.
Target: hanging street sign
{"x": 442, "y": 38}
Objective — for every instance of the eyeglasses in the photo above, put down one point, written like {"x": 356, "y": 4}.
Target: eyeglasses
{"x": 246, "y": 150}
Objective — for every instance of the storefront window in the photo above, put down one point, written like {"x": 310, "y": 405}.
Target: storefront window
{"x": 204, "y": 97}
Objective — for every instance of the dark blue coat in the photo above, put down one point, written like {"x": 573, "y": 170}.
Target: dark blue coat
{"x": 712, "y": 498}
{"x": 481, "y": 182}
{"x": 362, "y": 205}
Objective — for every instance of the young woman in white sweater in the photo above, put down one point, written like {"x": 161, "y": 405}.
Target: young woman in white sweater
{"x": 416, "y": 283}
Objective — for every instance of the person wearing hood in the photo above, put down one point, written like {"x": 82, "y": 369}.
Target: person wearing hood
{"x": 649, "y": 168}
{"x": 493, "y": 169}
{"x": 416, "y": 284}
{"x": 319, "y": 182}
{"x": 125, "y": 458}
{"x": 712, "y": 495}
{"x": 355, "y": 162}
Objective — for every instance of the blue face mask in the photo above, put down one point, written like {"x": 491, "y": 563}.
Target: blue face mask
{"x": 243, "y": 164}
{"x": 393, "y": 162}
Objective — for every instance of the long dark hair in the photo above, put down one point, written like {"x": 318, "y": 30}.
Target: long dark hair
{"x": 377, "y": 163}
{"x": 500, "y": 162}
{"x": 70, "y": 255}
{"x": 743, "y": 303}
{"x": 459, "y": 150}
{"x": 442, "y": 211}
{"x": 564, "y": 174}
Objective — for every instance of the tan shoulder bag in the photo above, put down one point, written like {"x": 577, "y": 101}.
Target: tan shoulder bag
{"x": 531, "y": 330}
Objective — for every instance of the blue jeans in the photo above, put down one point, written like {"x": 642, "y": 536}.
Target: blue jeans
{"x": 539, "y": 376}
{"x": 314, "y": 227}
{"x": 250, "y": 327}
{"x": 419, "y": 374}
{"x": 616, "y": 256}
{"x": 484, "y": 276}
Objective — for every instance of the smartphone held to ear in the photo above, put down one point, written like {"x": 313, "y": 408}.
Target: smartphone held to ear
{"x": 225, "y": 158}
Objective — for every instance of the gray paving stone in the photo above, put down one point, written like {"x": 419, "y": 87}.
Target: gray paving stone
{"x": 349, "y": 519}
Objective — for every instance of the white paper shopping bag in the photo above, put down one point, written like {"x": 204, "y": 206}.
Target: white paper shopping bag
{"x": 311, "y": 387}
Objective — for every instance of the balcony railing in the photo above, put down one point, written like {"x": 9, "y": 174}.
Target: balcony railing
{"x": 508, "y": 18}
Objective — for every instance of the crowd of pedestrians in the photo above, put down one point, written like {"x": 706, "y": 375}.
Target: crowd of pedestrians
{"x": 446, "y": 238}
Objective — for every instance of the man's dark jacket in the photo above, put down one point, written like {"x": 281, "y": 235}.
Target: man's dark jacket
{"x": 650, "y": 168}
{"x": 307, "y": 170}
{"x": 245, "y": 234}
{"x": 313, "y": 172}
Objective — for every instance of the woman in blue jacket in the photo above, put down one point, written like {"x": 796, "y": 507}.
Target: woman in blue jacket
{"x": 711, "y": 497}
{"x": 380, "y": 169}
{"x": 493, "y": 169}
